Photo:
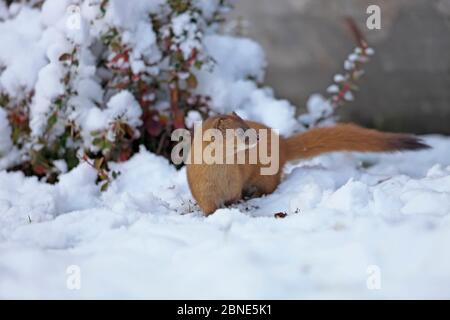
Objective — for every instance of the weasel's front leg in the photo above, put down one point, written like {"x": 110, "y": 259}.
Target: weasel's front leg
{"x": 261, "y": 185}
{"x": 208, "y": 206}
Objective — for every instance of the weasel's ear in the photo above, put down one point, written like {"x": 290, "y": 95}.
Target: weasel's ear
{"x": 219, "y": 123}
{"x": 234, "y": 114}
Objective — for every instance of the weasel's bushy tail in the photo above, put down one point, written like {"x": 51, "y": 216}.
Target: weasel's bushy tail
{"x": 348, "y": 137}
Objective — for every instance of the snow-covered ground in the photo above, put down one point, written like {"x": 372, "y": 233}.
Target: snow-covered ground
{"x": 358, "y": 226}
{"x": 353, "y": 222}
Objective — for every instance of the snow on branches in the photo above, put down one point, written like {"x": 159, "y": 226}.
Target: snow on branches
{"x": 321, "y": 111}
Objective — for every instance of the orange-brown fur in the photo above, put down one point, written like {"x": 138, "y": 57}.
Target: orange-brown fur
{"x": 215, "y": 185}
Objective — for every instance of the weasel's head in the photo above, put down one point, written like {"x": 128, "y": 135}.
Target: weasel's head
{"x": 243, "y": 138}
{"x": 229, "y": 121}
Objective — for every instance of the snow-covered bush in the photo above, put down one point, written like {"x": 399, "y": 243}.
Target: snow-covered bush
{"x": 98, "y": 78}
{"x": 93, "y": 80}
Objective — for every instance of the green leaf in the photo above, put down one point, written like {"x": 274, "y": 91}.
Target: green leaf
{"x": 104, "y": 187}
{"x": 15, "y": 135}
{"x": 98, "y": 142}
{"x": 192, "y": 81}
{"x": 198, "y": 64}
{"x": 71, "y": 159}
{"x": 52, "y": 120}
{"x": 115, "y": 46}
{"x": 4, "y": 100}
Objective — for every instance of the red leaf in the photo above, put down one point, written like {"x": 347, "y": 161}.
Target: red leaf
{"x": 18, "y": 118}
{"x": 40, "y": 169}
{"x": 280, "y": 215}
{"x": 124, "y": 155}
{"x": 136, "y": 77}
{"x": 193, "y": 56}
{"x": 124, "y": 56}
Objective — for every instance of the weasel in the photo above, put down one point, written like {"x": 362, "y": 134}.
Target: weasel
{"x": 215, "y": 185}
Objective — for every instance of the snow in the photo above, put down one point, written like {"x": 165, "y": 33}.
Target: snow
{"x": 123, "y": 105}
{"x": 23, "y": 55}
{"x": 48, "y": 87}
{"x": 230, "y": 84}
{"x": 143, "y": 40}
{"x": 3, "y": 10}
{"x": 144, "y": 238}
{"x": 318, "y": 107}
{"x": 191, "y": 118}
{"x": 186, "y": 34}
{"x": 122, "y": 14}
